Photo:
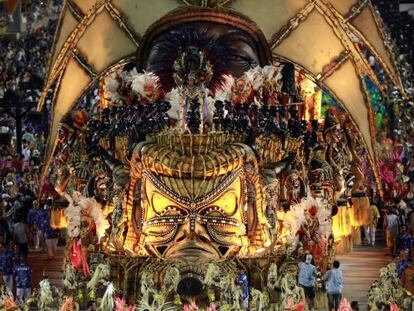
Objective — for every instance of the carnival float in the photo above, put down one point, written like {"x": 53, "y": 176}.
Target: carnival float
{"x": 230, "y": 139}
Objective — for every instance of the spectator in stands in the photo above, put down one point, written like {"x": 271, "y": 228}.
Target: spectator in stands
{"x": 5, "y": 230}
{"x": 17, "y": 163}
{"x": 27, "y": 153}
{"x": 404, "y": 241}
{"x": 33, "y": 219}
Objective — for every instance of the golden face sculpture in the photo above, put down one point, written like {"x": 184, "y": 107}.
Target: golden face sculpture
{"x": 186, "y": 209}
{"x": 212, "y": 226}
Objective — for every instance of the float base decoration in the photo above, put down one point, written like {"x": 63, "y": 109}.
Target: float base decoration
{"x": 387, "y": 291}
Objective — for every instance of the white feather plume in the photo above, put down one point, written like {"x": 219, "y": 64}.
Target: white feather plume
{"x": 292, "y": 221}
{"x": 174, "y": 98}
{"x": 255, "y": 77}
{"x": 111, "y": 86}
{"x": 129, "y": 76}
{"x": 79, "y": 205}
{"x": 107, "y": 302}
{"x": 325, "y": 219}
{"x": 73, "y": 214}
{"x": 225, "y": 92}
{"x": 269, "y": 72}
{"x": 141, "y": 80}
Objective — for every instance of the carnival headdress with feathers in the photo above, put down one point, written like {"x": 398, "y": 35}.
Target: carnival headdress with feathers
{"x": 187, "y": 51}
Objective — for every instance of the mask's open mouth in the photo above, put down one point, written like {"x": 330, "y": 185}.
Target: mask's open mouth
{"x": 190, "y": 286}
{"x": 191, "y": 249}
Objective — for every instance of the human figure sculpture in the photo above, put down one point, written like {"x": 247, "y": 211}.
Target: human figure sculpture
{"x": 291, "y": 291}
{"x": 230, "y": 294}
{"x": 355, "y": 143}
{"x": 293, "y": 186}
{"x": 46, "y": 297}
{"x": 100, "y": 278}
{"x": 338, "y": 154}
{"x": 272, "y": 277}
{"x": 147, "y": 288}
{"x": 212, "y": 280}
{"x": 258, "y": 300}
{"x": 117, "y": 218}
{"x": 172, "y": 278}
{"x": 320, "y": 171}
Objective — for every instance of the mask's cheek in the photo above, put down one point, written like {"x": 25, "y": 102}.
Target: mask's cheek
{"x": 159, "y": 234}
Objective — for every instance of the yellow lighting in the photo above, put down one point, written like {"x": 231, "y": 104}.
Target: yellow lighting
{"x": 341, "y": 222}
{"x": 312, "y": 96}
{"x": 58, "y": 220}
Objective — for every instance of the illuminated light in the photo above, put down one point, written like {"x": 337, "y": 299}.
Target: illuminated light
{"x": 129, "y": 247}
{"x": 58, "y": 220}
{"x": 361, "y": 213}
{"x": 312, "y": 96}
{"x": 341, "y": 223}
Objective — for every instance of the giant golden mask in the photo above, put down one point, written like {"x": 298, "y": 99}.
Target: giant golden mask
{"x": 212, "y": 226}
{"x": 196, "y": 197}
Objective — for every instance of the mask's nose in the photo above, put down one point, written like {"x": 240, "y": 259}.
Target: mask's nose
{"x": 192, "y": 230}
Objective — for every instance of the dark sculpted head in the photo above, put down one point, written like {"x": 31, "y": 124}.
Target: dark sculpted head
{"x": 233, "y": 43}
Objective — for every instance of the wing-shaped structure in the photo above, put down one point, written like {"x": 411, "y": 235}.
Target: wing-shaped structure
{"x": 325, "y": 38}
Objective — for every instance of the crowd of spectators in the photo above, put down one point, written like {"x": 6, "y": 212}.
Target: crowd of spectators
{"x": 399, "y": 230}
{"x": 24, "y": 222}
{"x": 400, "y": 26}
{"x": 23, "y": 62}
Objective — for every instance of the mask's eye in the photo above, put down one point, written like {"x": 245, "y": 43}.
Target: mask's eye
{"x": 239, "y": 58}
{"x": 160, "y": 203}
{"x": 241, "y": 62}
{"x": 226, "y": 203}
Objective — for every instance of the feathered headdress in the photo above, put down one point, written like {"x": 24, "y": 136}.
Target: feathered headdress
{"x": 187, "y": 51}
{"x": 78, "y": 206}
{"x": 146, "y": 85}
{"x": 107, "y": 302}
{"x": 291, "y": 306}
{"x": 68, "y": 305}
{"x": 120, "y": 305}
{"x": 394, "y": 307}
{"x": 110, "y": 87}
{"x": 344, "y": 305}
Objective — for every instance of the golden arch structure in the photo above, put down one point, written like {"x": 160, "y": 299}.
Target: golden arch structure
{"x": 106, "y": 33}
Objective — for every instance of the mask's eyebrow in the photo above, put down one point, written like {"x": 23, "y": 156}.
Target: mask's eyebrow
{"x": 236, "y": 35}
